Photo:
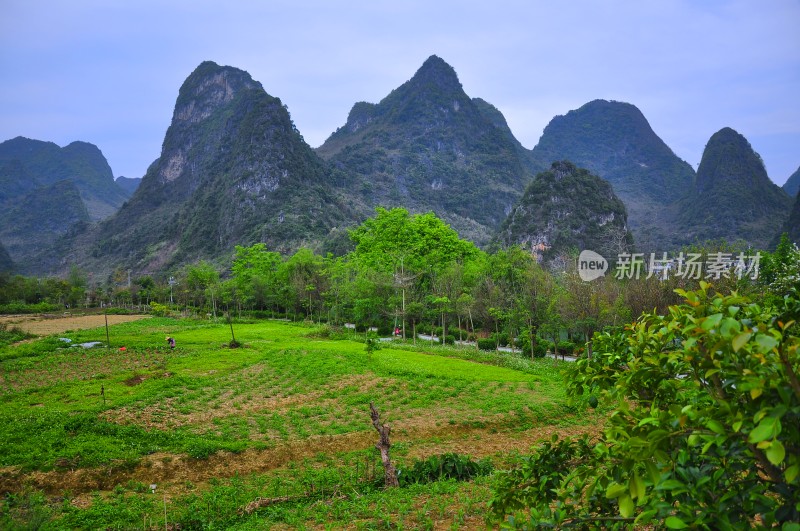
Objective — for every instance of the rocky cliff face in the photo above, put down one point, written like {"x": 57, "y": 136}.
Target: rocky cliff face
{"x": 614, "y": 141}
{"x": 427, "y": 146}
{"x": 732, "y": 197}
{"x": 233, "y": 171}
{"x": 567, "y": 209}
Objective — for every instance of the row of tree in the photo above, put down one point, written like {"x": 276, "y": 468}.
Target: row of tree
{"x": 404, "y": 272}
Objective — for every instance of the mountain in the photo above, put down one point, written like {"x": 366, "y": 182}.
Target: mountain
{"x": 6, "y": 264}
{"x": 792, "y": 225}
{"x": 34, "y": 226}
{"x": 128, "y": 184}
{"x": 792, "y": 184}
{"x": 427, "y": 146}
{"x": 27, "y": 164}
{"x": 564, "y": 209}
{"x": 233, "y": 171}
{"x": 614, "y": 141}
{"x": 732, "y": 197}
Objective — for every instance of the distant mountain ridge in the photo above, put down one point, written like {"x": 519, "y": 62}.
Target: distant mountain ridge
{"x": 234, "y": 170}
{"x": 26, "y": 164}
{"x": 427, "y": 146}
{"x": 6, "y": 263}
{"x": 732, "y": 197}
{"x": 129, "y": 184}
{"x": 46, "y": 191}
{"x": 792, "y": 184}
{"x": 614, "y": 141}
{"x": 792, "y": 225}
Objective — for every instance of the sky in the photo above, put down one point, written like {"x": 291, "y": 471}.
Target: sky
{"x": 108, "y": 71}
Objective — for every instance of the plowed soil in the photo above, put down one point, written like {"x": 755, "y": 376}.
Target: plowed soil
{"x": 46, "y": 324}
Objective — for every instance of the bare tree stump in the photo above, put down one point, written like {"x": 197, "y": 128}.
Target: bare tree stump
{"x": 390, "y": 473}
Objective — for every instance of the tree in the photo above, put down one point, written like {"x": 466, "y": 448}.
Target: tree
{"x": 705, "y": 434}
{"x": 254, "y": 270}
{"x": 203, "y": 281}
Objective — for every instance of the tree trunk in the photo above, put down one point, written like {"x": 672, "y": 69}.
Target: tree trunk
{"x": 390, "y": 479}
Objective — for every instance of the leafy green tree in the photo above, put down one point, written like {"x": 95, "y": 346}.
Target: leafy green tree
{"x": 254, "y": 269}
{"x": 705, "y": 432}
{"x": 420, "y": 241}
{"x": 202, "y": 280}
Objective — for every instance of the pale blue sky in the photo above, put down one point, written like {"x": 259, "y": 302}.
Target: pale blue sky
{"x": 108, "y": 72}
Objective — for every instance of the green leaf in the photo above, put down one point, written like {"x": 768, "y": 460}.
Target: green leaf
{"x": 729, "y": 327}
{"x": 711, "y": 321}
{"x": 653, "y": 472}
{"x": 636, "y": 487}
{"x": 673, "y": 522}
{"x": 792, "y": 473}
{"x": 766, "y": 342}
{"x": 615, "y": 490}
{"x": 740, "y": 340}
{"x": 762, "y": 432}
{"x": 776, "y": 452}
{"x": 715, "y": 426}
{"x": 626, "y": 506}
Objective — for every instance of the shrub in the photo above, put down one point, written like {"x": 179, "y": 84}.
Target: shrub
{"x": 709, "y": 417}
{"x": 447, "y": 340}
{"x": 445, "y": 466}
{"x": 159, "y": 310}
{"x": 567, "y": 347}
{"x": 487, "y": 343}
{"x": 539, "y": 350}
{"x": 501, "y": 339}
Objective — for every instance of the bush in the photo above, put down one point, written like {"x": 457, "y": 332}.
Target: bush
{"x": 159, "y": 310}
{"x": 445, "y": 466}
{"x": 711, "y": 421}
{"x": 447, "y": 340}
{"x": 567, "y": 347}
{"x": 539, "y": 350}
{"x": 487, "y": 343}
{"x": 501, "y": 339}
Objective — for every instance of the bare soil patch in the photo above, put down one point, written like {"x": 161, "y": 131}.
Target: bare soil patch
{"x": 47, "y": 324}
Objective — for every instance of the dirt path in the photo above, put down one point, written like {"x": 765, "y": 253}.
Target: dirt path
{"x": 46, "y": 324}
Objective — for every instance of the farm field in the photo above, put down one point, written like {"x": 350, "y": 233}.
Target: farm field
{"x": 275, "y": 434}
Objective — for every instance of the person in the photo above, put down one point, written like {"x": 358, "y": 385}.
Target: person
{"x": 397, "y": 331}
{"x": 171, "y": 342}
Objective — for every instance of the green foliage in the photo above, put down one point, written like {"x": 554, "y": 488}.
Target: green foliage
{"x": 706, "y": 431}
{"x": 444, "y": 466}
{"x": 420, "y": 241}
{"x": 159, "y": 310}
{"x": 487, "y": 343}
{"x": 780, "y": 270}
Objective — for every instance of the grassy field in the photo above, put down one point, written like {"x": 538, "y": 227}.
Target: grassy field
{"x": 275, "y": 434}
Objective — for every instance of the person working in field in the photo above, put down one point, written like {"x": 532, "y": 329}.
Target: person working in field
{"x": 171, "y": 342}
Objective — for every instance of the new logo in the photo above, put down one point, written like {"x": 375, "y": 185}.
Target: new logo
{"x": 591, "y": 265}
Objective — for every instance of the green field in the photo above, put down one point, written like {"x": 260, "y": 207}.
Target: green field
{"x": 274, "y": 434}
